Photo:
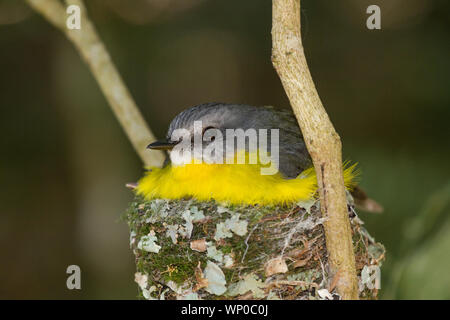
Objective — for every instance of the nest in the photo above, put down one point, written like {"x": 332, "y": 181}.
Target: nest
{"x": 187, "y": 249}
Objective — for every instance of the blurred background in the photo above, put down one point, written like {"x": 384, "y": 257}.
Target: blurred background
{"x": 65, "y": 160}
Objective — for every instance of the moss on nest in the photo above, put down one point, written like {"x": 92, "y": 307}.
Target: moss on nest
{"x": 187, "y": 249}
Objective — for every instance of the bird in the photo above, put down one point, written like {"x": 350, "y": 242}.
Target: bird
{"x": 215, "y": 175}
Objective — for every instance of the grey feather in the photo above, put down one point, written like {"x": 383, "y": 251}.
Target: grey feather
{"x": 293, "y": 155}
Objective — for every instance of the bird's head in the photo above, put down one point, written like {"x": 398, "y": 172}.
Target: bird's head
{"x": 203, "y": 130}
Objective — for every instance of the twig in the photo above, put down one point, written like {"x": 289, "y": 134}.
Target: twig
{"x": 322, "y": 141}
{"x": 99, "y": 61}
{"x": 292, "y": 283}
{"x": 246, "y": 242}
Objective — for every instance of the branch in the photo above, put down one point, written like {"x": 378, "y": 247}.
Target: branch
{"x": 105, "y": 73}
{"x": 322, "y": 141}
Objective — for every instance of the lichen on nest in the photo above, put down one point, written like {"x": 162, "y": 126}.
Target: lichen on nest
{"x": 186, "y": 249}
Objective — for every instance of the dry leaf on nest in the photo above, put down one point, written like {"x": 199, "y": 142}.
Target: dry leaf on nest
{"x": 201, "y": 281}
{"x": 301, "y": 262}
{"x": 307, "y": 245}
{"x": 276, "y": 265}
{"x": 131, "y": 185}
{"x": 198, "y": 245}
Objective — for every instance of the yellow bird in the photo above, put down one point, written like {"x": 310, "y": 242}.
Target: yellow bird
{"x": 235, "y": 154}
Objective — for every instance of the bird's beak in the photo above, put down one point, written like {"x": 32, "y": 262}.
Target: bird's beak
{"x": 162, "y": 145}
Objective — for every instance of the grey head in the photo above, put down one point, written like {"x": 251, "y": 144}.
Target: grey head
{"x": 293, "y": 155}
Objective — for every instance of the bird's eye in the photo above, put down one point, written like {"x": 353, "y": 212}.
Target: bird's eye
{"x": 206, "y": 129}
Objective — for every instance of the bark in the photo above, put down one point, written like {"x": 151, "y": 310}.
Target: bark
{"x": 321, "y": 139}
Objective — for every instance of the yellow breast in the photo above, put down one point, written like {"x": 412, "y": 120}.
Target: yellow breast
{"x": 231, "y": 183}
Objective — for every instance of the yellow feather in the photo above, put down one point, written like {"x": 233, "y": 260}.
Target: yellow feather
{"x": 231, "y": 183}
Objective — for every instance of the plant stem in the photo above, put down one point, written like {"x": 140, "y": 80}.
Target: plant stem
{"x": 322, "y": 141}
{"x": 91, "y": 48}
